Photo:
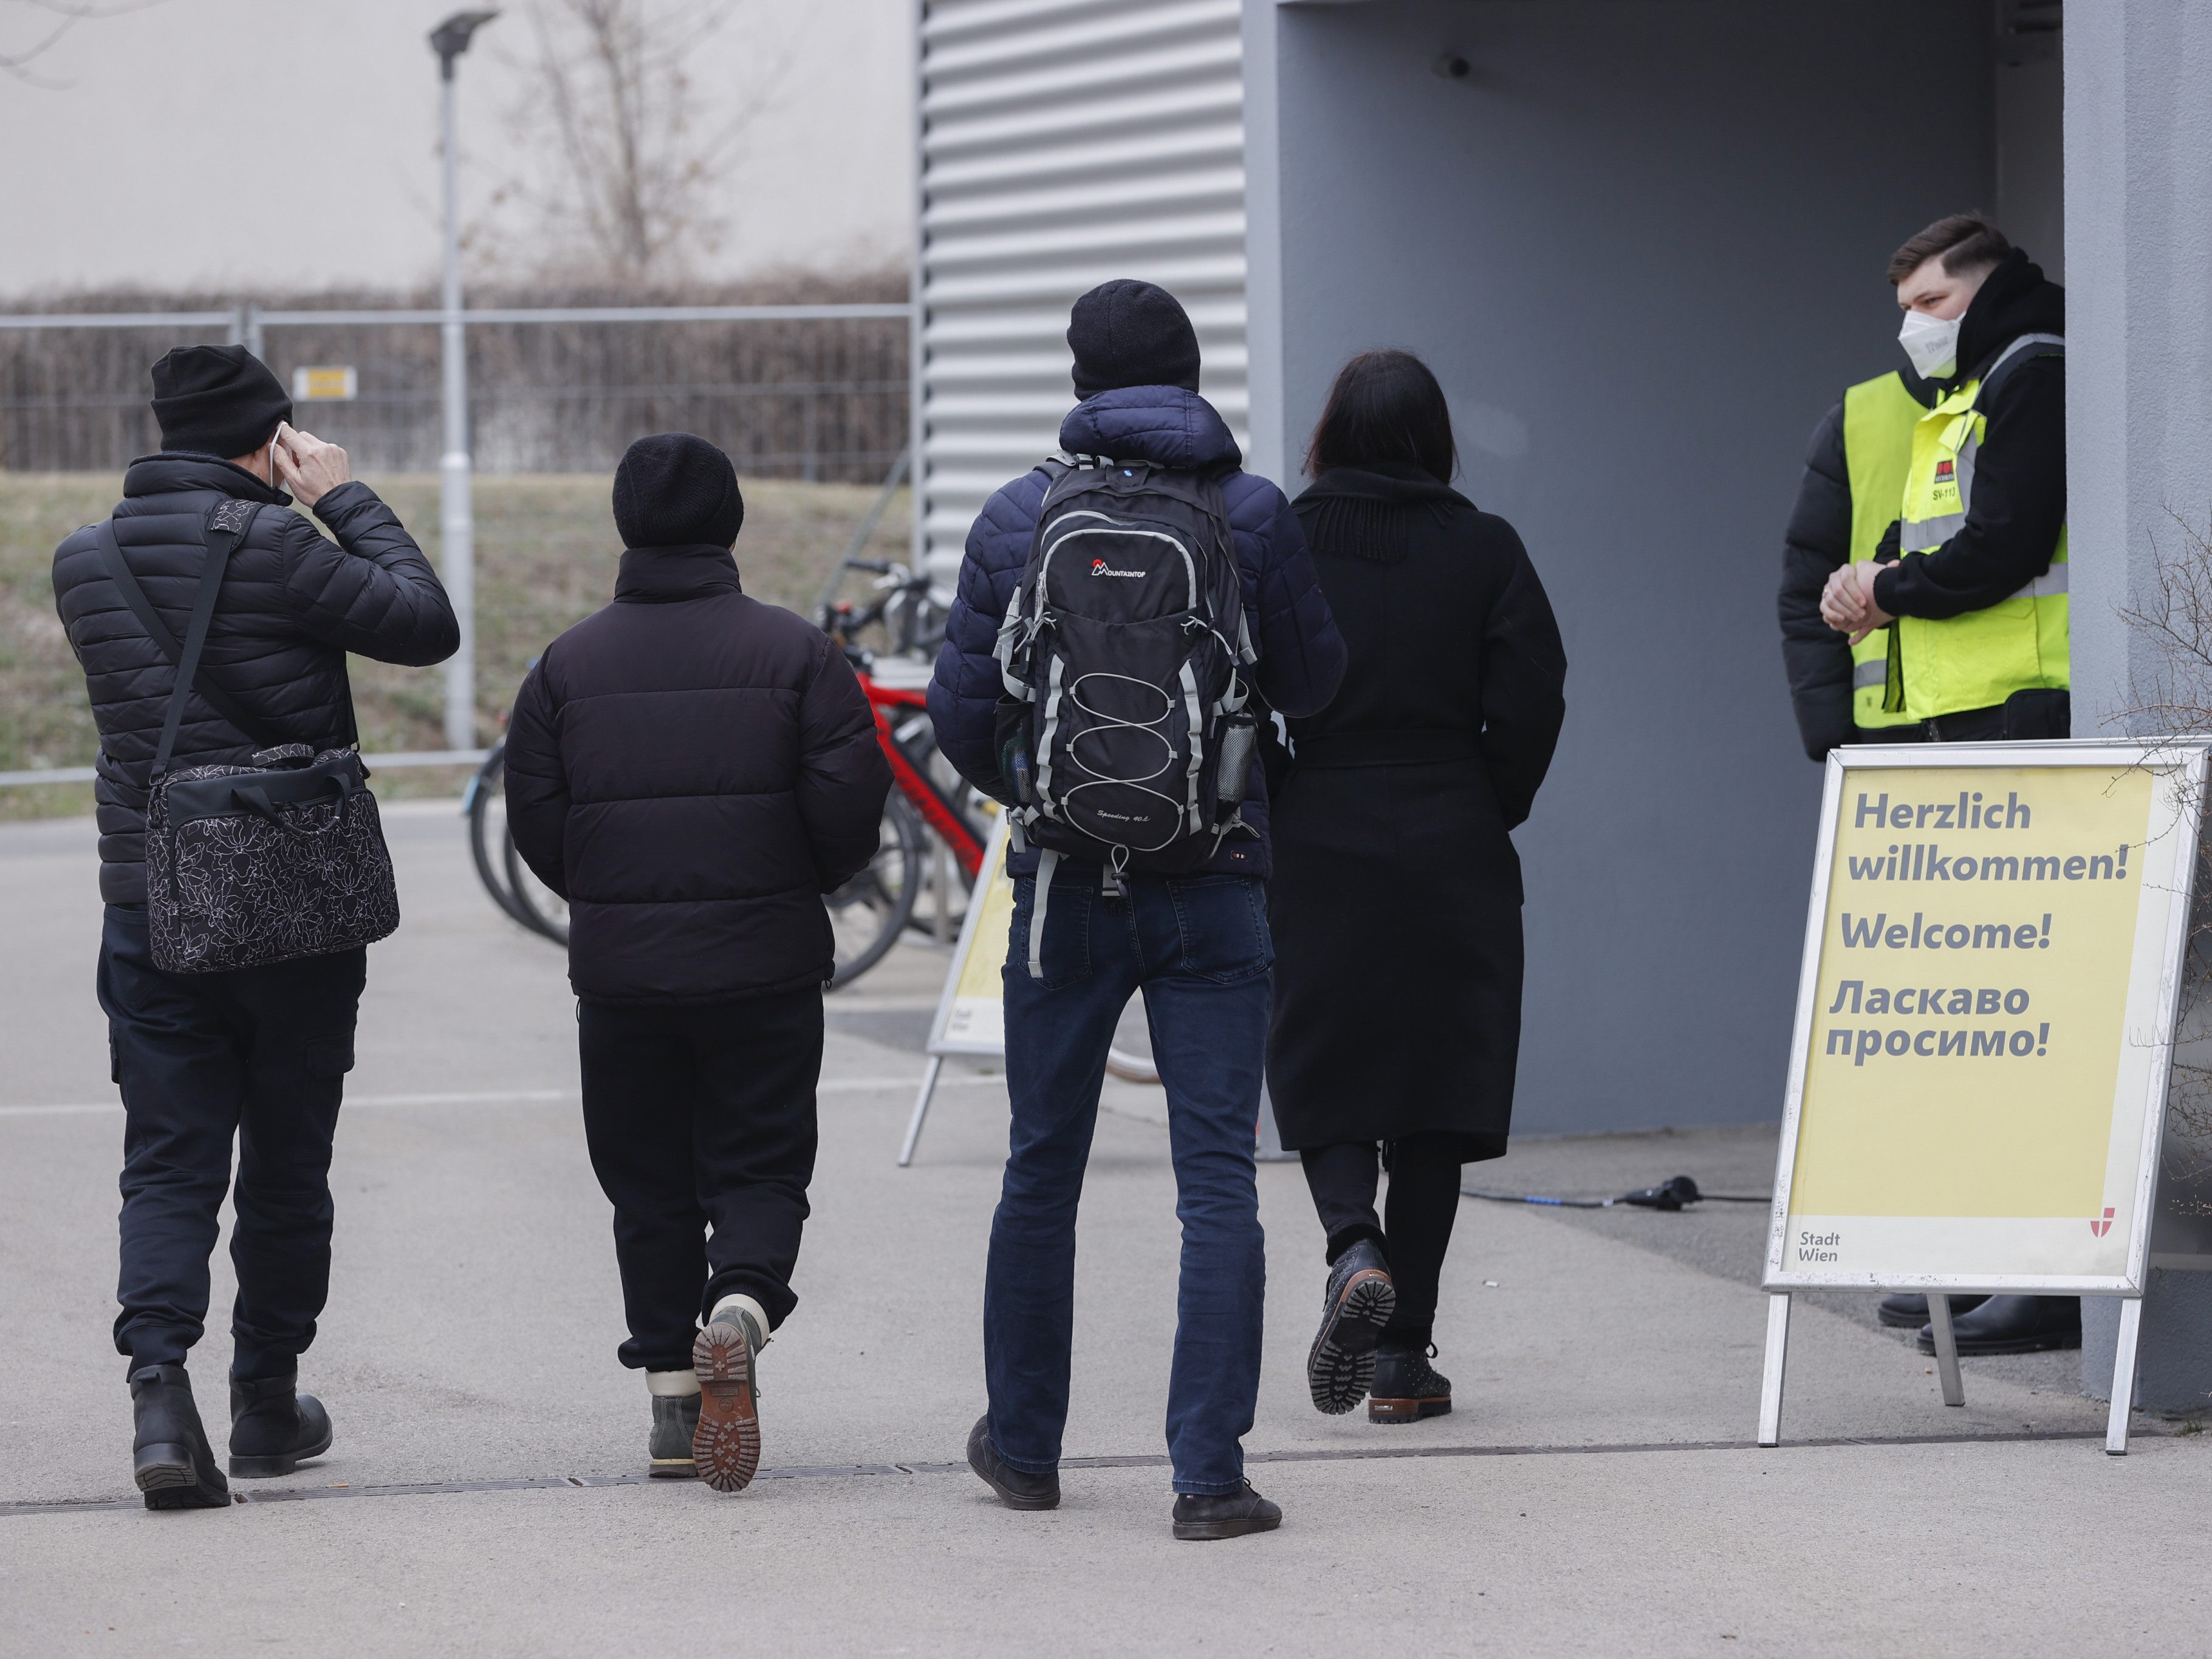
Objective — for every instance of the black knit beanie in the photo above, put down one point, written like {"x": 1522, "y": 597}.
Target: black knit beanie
{"x": 1131, "y": 333}
{"x": 673, "y": 489}
{"x": 217, "y": 400}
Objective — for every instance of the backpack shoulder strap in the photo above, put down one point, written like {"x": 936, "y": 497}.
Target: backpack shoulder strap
{"x": 225, "y": 529}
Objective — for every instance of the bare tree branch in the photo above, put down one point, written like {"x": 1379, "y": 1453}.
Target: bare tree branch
{"x": 17, "y": 65}
{"x": 609, "y": 96}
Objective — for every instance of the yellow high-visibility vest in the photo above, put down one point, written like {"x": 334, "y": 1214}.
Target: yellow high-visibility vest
{"x": 1879, "y": 416}
{"x": 2018, "y": 644}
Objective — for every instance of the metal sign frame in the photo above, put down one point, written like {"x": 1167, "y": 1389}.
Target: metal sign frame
{"x": 991, "y": 869}
{"x": 2186, "y": 758}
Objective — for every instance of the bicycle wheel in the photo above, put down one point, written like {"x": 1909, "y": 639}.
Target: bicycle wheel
{"x": 867, "y": 912}
{"x": 537, "y": 906}
{"x": 486, "y": 806}
{"x": 1130, "y": 1059}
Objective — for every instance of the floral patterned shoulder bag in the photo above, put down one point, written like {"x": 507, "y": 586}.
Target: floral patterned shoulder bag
{"x": 244, "y": 865}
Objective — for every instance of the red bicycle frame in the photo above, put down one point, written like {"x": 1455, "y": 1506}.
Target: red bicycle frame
{"x": 884, "y": 701}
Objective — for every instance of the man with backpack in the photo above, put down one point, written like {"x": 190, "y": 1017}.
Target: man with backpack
{"x": 1126, "y": 613}
{"x": 257, "y": 1053}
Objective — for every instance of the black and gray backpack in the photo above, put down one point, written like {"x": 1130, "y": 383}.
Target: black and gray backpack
{"x": 1124, "y": 737}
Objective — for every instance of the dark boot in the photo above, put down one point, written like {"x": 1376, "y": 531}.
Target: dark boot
{"x": 274, "y": 1428}
{"x": 1406, "y": 1388}
{"x": 1355, "y": 1307}
{"x": 726, "y": 1444}
{"x": 1017, "y": 1488}
{"x": 675, "y": 1420}
{"x": 1198, "y": 1516}
{"x": 1904, "y": 1312}
{"x": 2013, "y": 1324}
{"x": 171, "y": 1459}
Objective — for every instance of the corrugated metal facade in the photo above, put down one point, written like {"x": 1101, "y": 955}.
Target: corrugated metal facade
{"x": 1064, "y": 143}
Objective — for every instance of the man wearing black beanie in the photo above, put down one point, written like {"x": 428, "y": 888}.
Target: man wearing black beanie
{"x": 255, "y": 1054}
{"x": 693, "y": 770}
{"x": 1195, "y": 943}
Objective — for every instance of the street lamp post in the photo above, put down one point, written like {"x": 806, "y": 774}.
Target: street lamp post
{"x": 456, "y": 515}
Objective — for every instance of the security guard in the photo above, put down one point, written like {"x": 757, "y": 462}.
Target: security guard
{"x": 1855, "y": 473}
{"x": 1969, "y": 585}
{"x": 1973, "y": 573}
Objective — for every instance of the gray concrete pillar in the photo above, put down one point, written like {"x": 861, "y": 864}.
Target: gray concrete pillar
{"x": 2139, "y": 444}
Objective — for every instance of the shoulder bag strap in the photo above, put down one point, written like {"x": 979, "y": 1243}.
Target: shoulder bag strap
{"x": 224, "y": 530}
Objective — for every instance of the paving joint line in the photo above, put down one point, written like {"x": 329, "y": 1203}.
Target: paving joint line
{"x": 1136, "y": 1461}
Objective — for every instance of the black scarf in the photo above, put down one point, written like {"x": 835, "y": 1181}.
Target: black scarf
{"x": 1368, "y": 512}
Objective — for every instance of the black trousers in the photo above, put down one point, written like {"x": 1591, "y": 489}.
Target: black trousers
{"x": 1416, "y": 1228}
{"x": 701, "y": 1117}
{"x": 257, "y": 1053}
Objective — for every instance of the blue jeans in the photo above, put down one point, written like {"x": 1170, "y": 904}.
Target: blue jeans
{"x": 1198, "y": 947}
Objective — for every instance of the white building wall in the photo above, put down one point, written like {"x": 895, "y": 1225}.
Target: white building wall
{"x": 1063, "y": 144}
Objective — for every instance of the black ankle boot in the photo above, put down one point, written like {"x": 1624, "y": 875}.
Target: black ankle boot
{"x": 274, "y": 1428}
{"x": 171, "y": 1459}
{"x": 1406, "y": 1388}
{"x": 1356, "y": 1305}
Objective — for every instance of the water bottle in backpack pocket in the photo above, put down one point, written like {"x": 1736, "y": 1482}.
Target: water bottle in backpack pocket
{"x": 1124, "y": 735}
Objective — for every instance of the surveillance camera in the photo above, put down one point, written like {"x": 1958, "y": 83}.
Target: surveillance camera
{"x": 1453, "y": 67}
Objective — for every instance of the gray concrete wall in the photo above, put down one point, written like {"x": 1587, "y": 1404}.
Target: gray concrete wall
{"x": 1643, "y": 248}
{"x": 2139, "y": 445}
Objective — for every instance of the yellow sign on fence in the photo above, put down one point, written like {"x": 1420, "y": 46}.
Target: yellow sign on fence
{"x": 1985, "y": 1017}
{"x": 325, "y": 384}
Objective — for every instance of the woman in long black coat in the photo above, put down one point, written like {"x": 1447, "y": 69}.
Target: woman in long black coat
{"x": 1395, "y": 903}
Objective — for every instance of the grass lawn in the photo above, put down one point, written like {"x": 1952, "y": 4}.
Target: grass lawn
{"x": 546, "y": 549}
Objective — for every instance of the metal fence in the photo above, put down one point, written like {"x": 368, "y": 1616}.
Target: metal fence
{"x": 818, "y": 392}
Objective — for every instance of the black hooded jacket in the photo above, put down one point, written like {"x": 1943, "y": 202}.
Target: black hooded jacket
{"x": 692, "y": 771}
{"x": 2019, "y": 504}
{"x": 292, "y": 605}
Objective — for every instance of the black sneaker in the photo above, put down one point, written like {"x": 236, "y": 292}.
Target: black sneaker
{"x": 170, "y": 1457}
{"x": 1907, "y": 1311}
{"x": 1406, "y": 1388}
{"x": 1018, "y": 1489}
{"x": 675, "y": 1420}
{"x": 2013, "y": 1324}
{"x": 1355, "y": 1307}
{"x": 1198, "y": 1516}
{"x": 274, "y": 1428}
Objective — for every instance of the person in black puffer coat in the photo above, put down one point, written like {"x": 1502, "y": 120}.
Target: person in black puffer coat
{"x": 693, "y": 770}
{"x": 257, "y": 1053}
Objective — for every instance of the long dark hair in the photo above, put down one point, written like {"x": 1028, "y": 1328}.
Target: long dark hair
{"x": 1385, "y": 406}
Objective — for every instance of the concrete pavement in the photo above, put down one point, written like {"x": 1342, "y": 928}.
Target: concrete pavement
{"x": 1592, "y": 1490}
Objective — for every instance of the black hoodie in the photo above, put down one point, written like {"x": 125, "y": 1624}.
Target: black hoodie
{"x": 2019, "y": 504}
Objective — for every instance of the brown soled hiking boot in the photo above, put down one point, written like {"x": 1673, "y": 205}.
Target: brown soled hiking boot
{"x": 726, "y": 1444}
{"x": 1355, "y": 1307}
{"x": 1406, "y": 1388}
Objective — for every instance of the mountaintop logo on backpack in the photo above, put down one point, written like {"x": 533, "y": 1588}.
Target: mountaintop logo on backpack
{"x": 1099, "y": 568}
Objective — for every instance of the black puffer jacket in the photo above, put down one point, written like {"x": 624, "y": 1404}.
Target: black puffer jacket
{"x": 292, "y": 605}
{"x": 692, "y": 771}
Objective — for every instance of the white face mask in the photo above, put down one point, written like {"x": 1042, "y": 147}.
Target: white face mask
{"x": 1932, "y": 343}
